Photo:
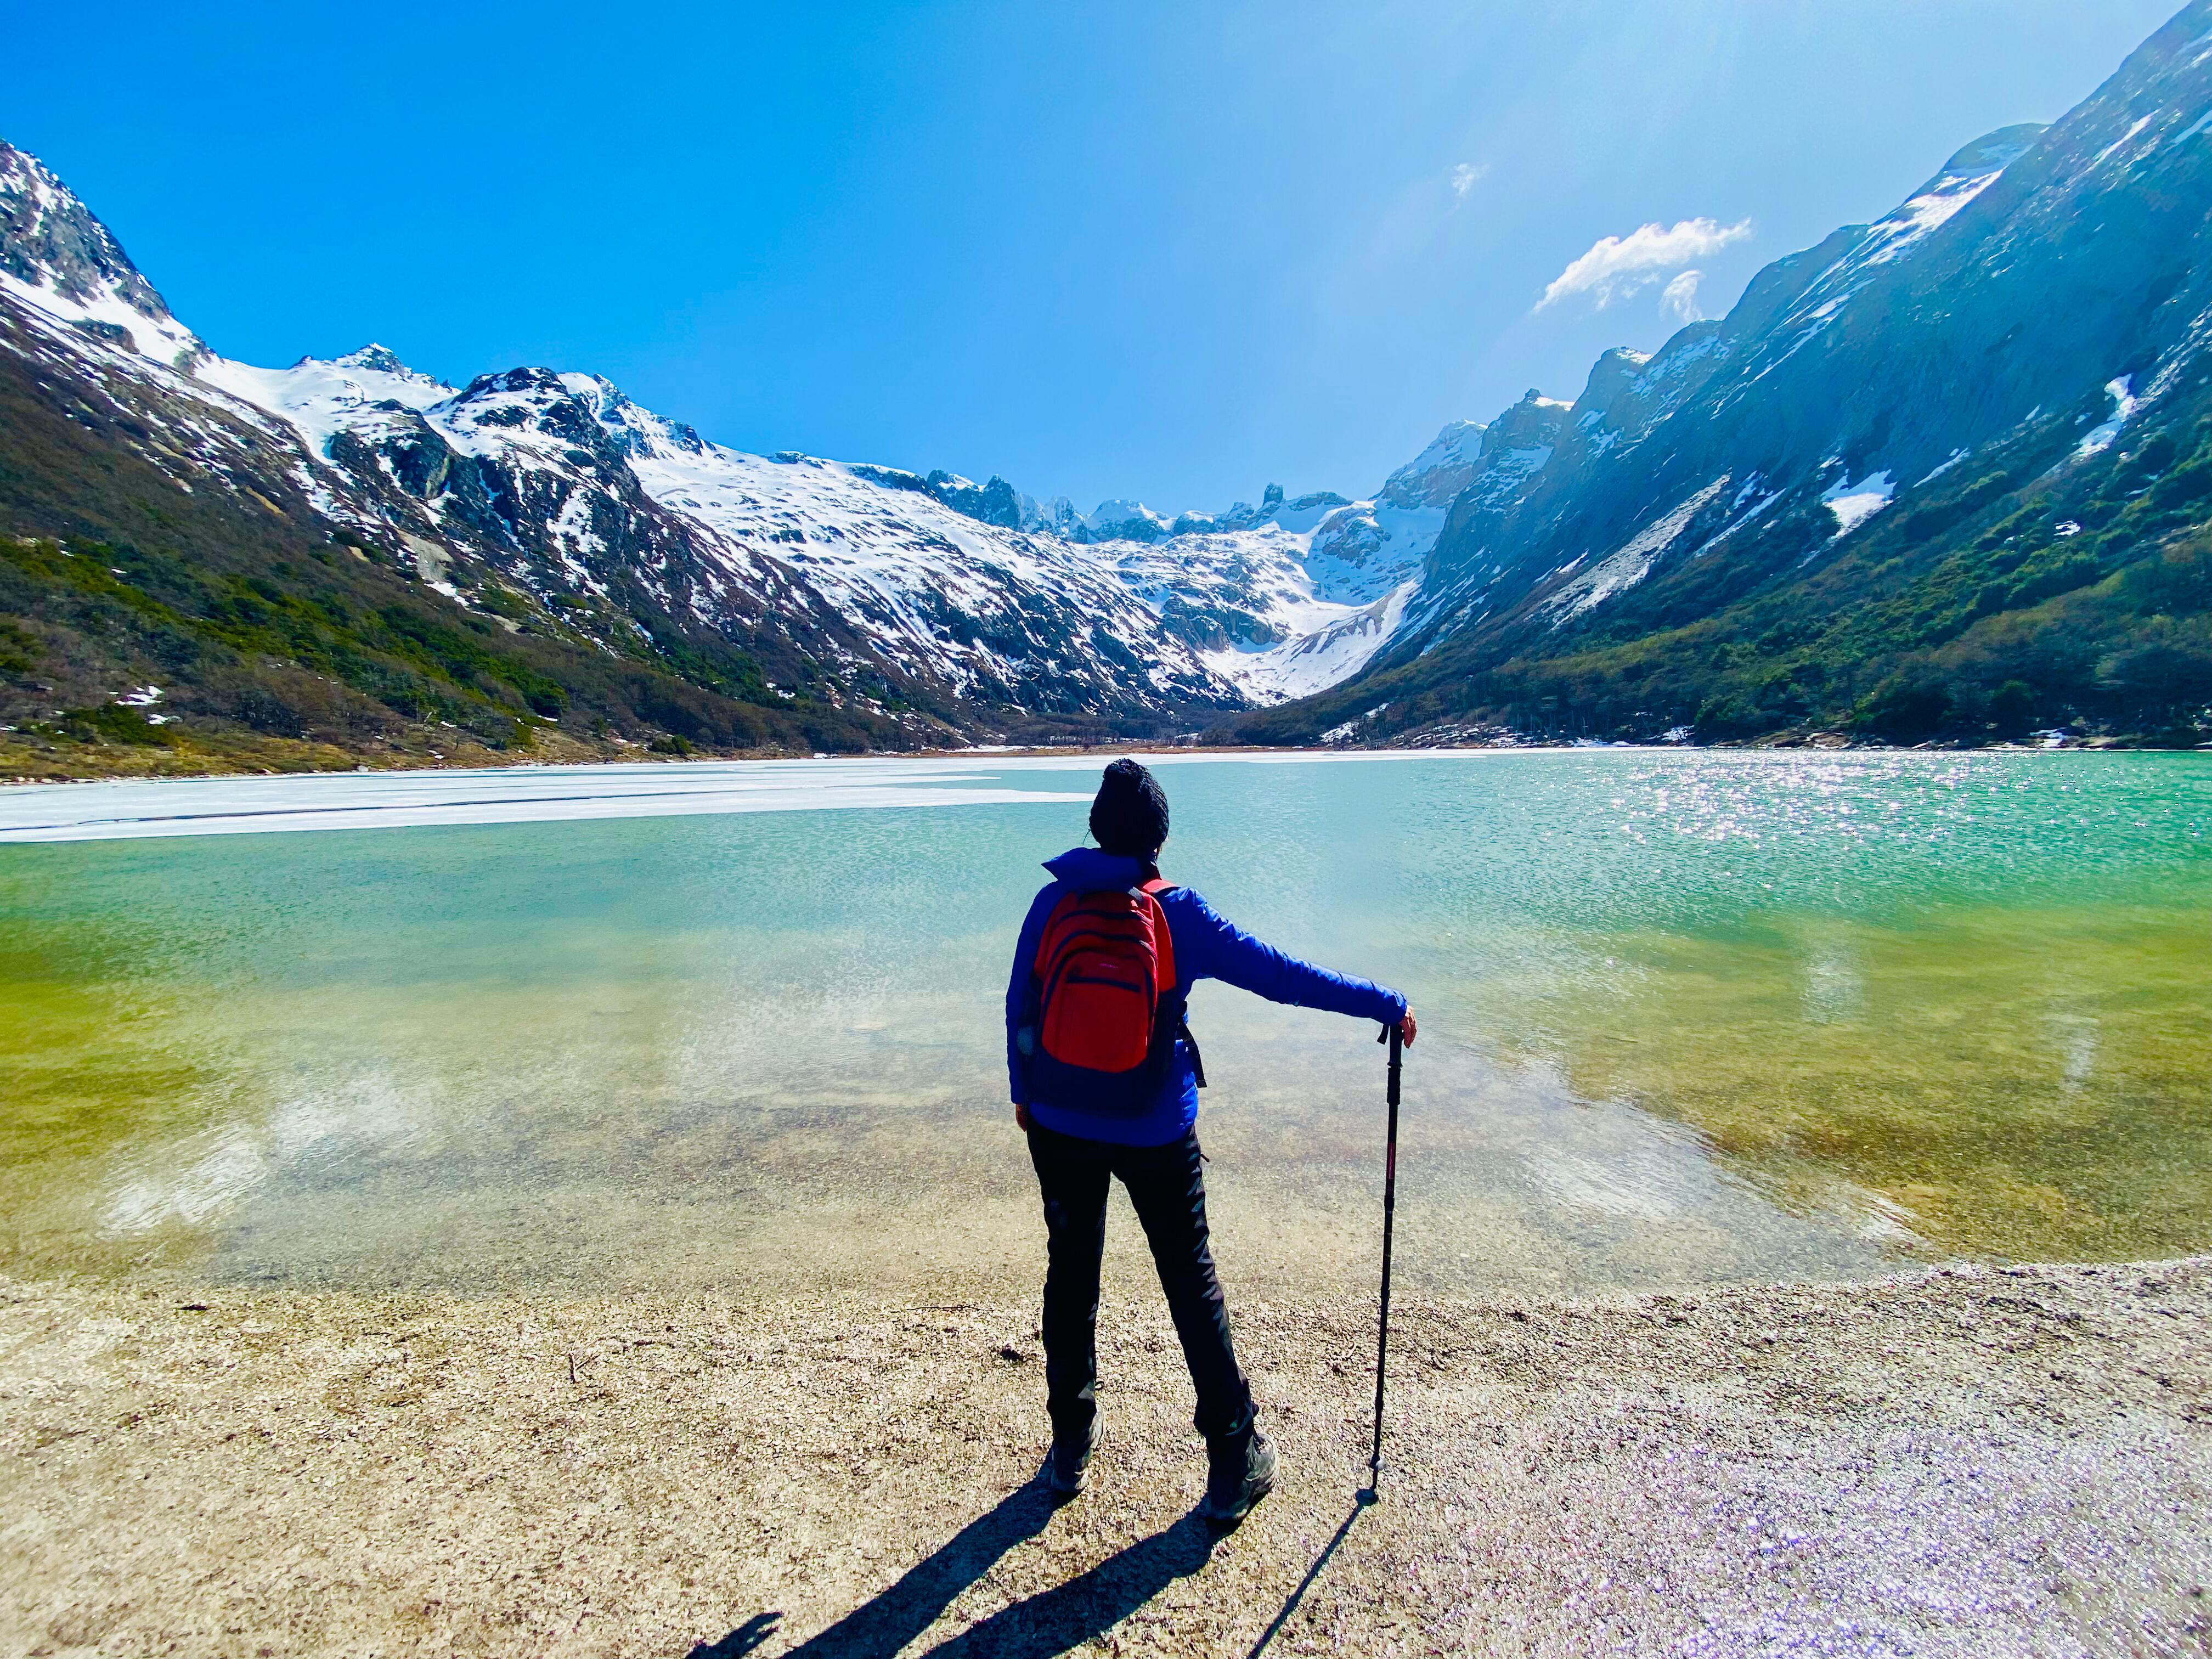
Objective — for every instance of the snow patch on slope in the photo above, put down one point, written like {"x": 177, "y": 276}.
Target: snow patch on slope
{"x": 1632, "y": 562}
{"x": 322, "y": 398}
{"x": 2125, "y": 405}
{"x": 1919, "y": 217}
{"x": 1332, "y": 648}
{"x": 108, "y": 317}
{"x": 1854, "y": 503}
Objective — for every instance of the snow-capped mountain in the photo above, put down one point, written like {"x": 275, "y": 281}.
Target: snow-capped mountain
{"x": 1772, "y": 517}
{"x": 1258, "y": 604}
{"x": 971, "y": 600}
{"x": 1864, "y": 365}
{"x": 1289, "y": 597}
{"x": 2035, "y": 314}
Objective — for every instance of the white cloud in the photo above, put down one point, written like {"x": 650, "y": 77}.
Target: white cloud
{"x": 1465, "y": 176}
{"x": 1680, "y": 297}
{"x": 1618, "y": 266}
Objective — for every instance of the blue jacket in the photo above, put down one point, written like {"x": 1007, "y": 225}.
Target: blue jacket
{"x": 1208, "y": 945}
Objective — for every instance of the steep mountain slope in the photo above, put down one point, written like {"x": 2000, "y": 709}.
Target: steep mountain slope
{"x": 895, "y": 607}
{"x": 565, "y": 478}
{"x": 1253, "y": 604}
{"x": 196, "y": 544}
{"x": 1932, "y": 476}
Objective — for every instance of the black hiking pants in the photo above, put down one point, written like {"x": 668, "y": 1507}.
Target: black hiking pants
{"x": 1167, "y": 1187}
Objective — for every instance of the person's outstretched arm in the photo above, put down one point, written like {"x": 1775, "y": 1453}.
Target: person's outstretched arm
{"x": 1225, "y": 952}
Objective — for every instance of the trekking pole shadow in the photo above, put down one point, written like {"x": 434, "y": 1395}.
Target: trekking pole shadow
{"x": 742, "y": 1640}
{"x": 1068, "y": 1615}
{"x": 1290, "y": 1605}
{"x": 881, "y": 1627}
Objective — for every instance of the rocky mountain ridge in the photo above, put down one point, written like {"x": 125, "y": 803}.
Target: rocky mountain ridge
{"x": 1914, "y": 484}
{"x": 930, "y": 607}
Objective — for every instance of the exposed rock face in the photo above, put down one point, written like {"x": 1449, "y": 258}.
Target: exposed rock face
{"x": 1439, "y": 473}
{"x": 1482, "y": 475}
{"x": 46, "y": 236}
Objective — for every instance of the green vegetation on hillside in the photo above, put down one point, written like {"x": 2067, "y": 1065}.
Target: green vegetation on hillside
{"x": 275, "y": 642}
{"x": 2027, "y": 594}
{"x": 328, "y": 648}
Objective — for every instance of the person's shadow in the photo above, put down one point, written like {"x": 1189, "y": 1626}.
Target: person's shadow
{"x": 1067, "y": 1615}
{"x": 1048, "y": 1623}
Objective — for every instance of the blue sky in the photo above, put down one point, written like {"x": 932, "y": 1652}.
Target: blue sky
{"x": 1172, "y": 252}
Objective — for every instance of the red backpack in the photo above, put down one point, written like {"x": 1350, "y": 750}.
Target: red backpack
{"x": 1105, "y": 1009}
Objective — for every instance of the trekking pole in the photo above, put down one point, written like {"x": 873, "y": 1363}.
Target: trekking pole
{"x": 1390, "y": 1035}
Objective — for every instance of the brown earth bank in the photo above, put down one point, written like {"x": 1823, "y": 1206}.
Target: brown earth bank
{"x": 212, "y": 755}
{"x": 195, "y": 754}
{"x": 2012, "y": 1461}
{"x": 199, "y": 753}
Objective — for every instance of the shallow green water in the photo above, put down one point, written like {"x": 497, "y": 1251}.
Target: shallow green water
{"x": 1685, "y": 1017}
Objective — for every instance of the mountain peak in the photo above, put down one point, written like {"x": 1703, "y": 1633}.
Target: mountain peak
{"x": 50, "y": 239}
{"x": 57, "y": 256}
{"x": 382, "y": 360}
{"x": 1438, "y": 472}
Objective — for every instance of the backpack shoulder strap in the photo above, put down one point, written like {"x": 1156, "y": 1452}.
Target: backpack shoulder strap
{"x": 1170, "y": 977}
{"x": 1155, "y": 888}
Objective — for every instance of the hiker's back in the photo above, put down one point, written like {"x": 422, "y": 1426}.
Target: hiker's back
{"x": 1106, "y": 1000}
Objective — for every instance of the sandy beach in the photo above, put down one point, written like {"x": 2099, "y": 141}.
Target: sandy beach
{"x": 1952, "y": 1461}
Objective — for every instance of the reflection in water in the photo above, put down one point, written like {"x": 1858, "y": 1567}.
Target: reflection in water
{"x": 1835, "y": 988}
{"x": 210, "y": 1183}
{"x": 2074, "y": 1035}
{"x": 1684, "y": 1017}
{"x": 1636, "y": 1187}
{"x": 1987, "y": 1118}
{"x": 208, "y": 1175}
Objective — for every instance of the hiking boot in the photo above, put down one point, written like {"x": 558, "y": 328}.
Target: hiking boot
{"x": 1068, "y": 1465}
{"x": 1243, "y": 1473}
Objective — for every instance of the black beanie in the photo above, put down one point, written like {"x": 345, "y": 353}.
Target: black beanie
{"x": 1130, "y": 816}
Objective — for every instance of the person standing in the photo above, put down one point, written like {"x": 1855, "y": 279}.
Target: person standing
{"x": 1105, "y": 1075}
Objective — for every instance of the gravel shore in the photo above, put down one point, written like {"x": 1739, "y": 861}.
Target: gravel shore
{"x": 2015, "y": 1461}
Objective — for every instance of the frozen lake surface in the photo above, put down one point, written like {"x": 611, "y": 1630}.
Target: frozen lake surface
{"x": 387, "y": 800}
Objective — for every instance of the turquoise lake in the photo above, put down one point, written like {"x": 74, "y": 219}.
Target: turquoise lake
{"x": 1685, "y": 1017}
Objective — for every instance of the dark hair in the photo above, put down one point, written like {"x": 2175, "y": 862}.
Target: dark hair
{"x": 1130, "y": 815}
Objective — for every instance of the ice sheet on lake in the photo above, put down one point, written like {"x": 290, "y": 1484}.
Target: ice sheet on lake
{"x": 127, "y": 809}
{"x": 378, "y": 801}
